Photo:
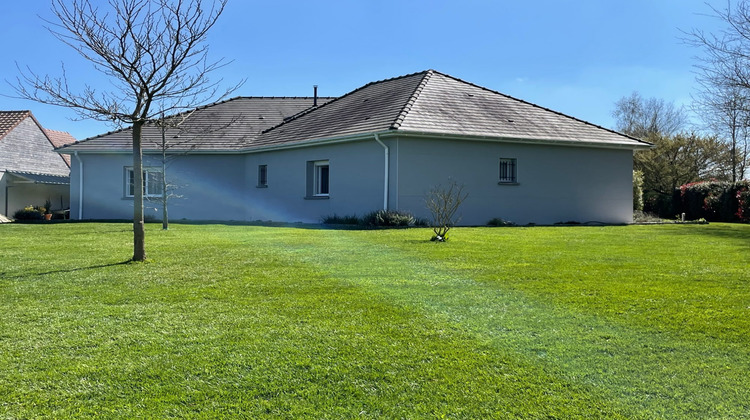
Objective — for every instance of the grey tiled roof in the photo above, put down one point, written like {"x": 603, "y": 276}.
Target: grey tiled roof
{"x": 434, "y": 103}
{"x": 374, "y": 107}
{"x": 425, "y": 103}
{"x": 229, "y": 125}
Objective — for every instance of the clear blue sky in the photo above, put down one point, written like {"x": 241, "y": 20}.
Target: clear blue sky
{"x": 577, "y": 57}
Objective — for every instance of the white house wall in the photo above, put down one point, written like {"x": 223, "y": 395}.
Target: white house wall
{"x": 555, "y": 183}
{"x": 211, "y": 187}
{"x": 225, "y": 187}
{"x": 356, "y": 182}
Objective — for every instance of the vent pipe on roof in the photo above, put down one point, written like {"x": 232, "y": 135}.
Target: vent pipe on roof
{"x": 315, "y": 95}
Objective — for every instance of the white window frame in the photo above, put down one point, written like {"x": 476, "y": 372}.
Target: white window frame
{"x": 147, "y": 187}
{"x": 508, "y": 171}
{"x": 322, "y": 174}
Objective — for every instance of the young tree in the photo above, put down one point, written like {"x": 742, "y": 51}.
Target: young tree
{"x": 178, "y": 137}
{"x": 443, "y": 202}
{"x": 155, "y": 55}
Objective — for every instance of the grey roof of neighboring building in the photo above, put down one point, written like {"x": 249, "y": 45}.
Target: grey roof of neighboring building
{"x": 26, "y": 146}
{"x": 38, "y": 178}
{"x": 424, "y": 103}
{"x": 228, "y": 125}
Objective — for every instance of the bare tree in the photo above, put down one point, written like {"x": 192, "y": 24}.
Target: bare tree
{"x": 443, "y": 202}
{"x": 177, "y": 137}
{"x": 155, "y": 55}
{"x": 641, "y": 118}
{"x": 725, "y": 110}
{"x": 723, "y": 73}
{"x": 165, "y": 146}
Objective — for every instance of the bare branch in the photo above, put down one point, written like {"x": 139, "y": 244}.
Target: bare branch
{"x": 155, "y": 56}
{"x": 443, "y": 202}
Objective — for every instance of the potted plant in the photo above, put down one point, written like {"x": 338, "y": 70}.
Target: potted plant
{"x": 47, "y": 210}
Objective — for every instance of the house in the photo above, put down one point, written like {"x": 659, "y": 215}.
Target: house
{"x": 383, "y": 145}
{"x": 30, "y": 171}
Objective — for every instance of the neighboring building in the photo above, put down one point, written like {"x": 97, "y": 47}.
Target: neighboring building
{"x": 383, "y": 145}
{"x": 31, "y": 172}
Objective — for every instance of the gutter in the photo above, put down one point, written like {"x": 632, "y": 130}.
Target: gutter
{"x": 387, "y": 166}
{"x": 400, "y": 133}
{"x": 80, "y": 185}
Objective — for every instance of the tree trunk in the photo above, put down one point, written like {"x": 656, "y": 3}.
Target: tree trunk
{"x": 164, "y": 196}
{"x": 139, "y": 232}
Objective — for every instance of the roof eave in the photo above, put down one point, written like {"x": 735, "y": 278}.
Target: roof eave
{"x": 527, "y": 140}
{"x": 385, "y": 133}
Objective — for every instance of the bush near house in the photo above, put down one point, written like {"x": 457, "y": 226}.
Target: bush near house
{"x": 716, "y": 201}
{"x": 30, "y": 213}
{"x": 377, "y": 218}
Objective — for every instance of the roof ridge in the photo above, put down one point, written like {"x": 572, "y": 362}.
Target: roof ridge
{"x": 338, "y": 98}
{"x": 542, "y": 108}
{"x": 412, "y": 99}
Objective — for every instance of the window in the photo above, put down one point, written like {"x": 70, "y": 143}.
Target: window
{"x": 321, "y": 178}
{"x": 507, "y": 171}
{"x": 318, "y": 179}
{"x": 152, "y": 182}
{"x": 262, "y": 176}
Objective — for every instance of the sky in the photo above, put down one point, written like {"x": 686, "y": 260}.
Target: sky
{"x": 576, "y": 57}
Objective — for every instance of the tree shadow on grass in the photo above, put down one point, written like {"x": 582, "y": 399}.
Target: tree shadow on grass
{"x": 69, "y": 270}
{"x": 735, "y": 232}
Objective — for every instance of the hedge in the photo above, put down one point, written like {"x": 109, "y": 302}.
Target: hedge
{"x": 715, "y": 201}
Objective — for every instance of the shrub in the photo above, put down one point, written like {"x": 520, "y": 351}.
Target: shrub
{"x": 716, "y": 201}
{"x": 340, "y": 220}
{"x": 28, "y": 213}
{"x": 645, "y": 217}
{"x": 388, "y": 218}
{"x": 500, "y": 222}
{"x": 663, "y": 205}
{"x": 443, "y": 203}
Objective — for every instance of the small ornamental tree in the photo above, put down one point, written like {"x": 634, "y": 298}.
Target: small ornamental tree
{"x": 443, "y": 203}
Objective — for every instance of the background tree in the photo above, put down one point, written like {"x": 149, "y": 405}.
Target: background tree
{"x": 640, "y": 118}
{"x": 723, "y": 73}
{"x": 678, "y": 157}
{"x": 155, "y": 56}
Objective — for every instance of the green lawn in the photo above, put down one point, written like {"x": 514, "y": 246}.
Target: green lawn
{"x": 282, "y": 322}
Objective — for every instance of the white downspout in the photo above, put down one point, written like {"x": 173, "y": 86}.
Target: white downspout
{"x": 80, "y": 185}
{"x": 387, "y": 171}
